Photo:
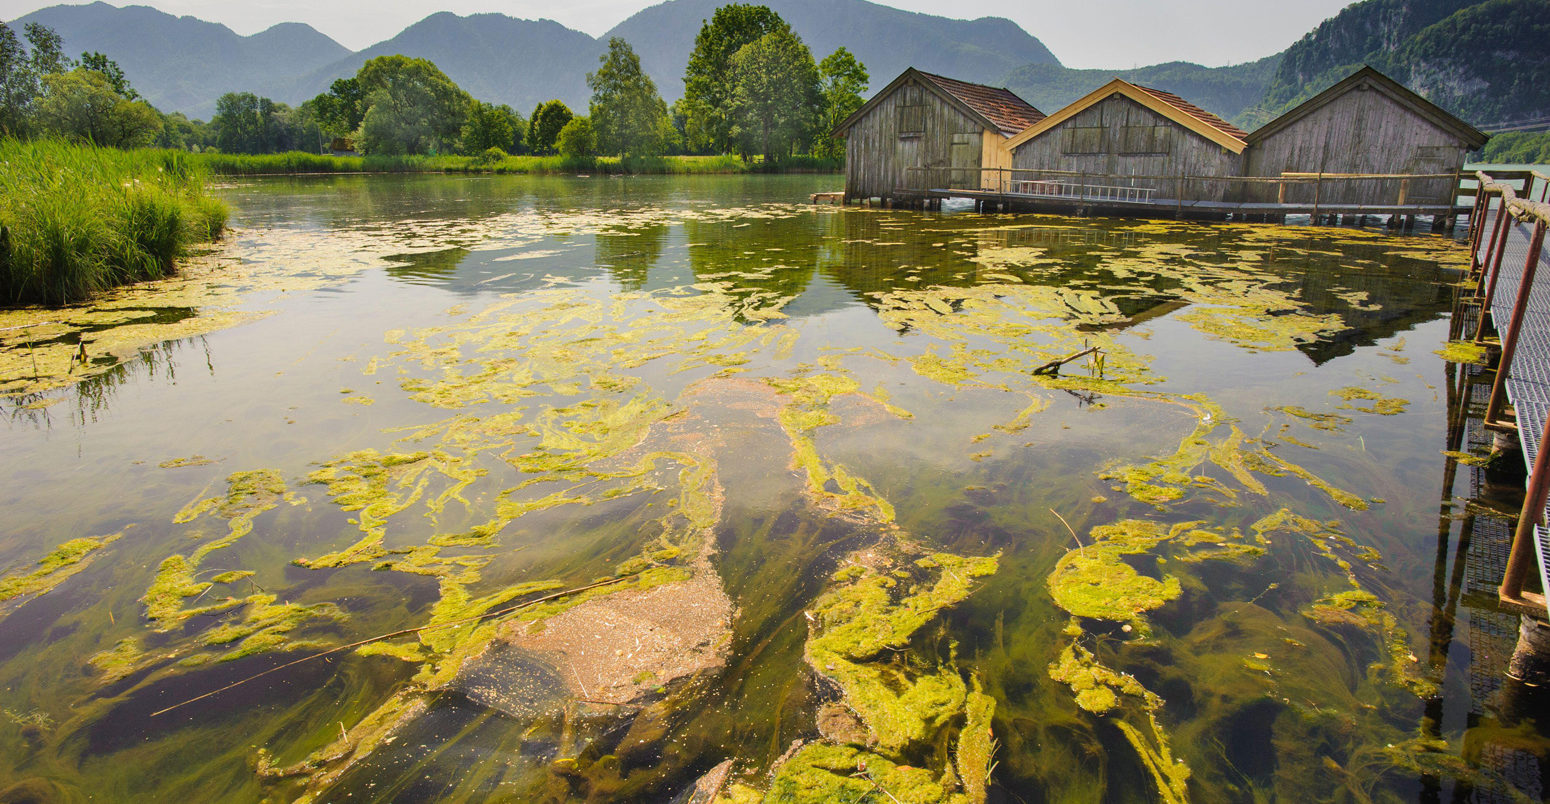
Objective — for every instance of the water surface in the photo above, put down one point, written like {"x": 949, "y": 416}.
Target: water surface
{"x": 421, "y": 399}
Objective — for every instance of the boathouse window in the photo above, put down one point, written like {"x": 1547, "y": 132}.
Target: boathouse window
{"x": 912, "y": 121}
{"x": 1145, "y": 140}
{"x": 1083, "y": 140}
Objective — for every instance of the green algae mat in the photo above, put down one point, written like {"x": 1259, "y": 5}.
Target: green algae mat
{"x": 432, "y": 488}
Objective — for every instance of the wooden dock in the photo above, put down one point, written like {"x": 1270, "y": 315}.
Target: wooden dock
{"x": 1204, "y": 197}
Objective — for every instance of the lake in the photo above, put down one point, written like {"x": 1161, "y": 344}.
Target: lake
{"x": 583, "y": 487}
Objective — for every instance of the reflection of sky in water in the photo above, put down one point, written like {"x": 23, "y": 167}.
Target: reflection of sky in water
{"x": 856, "y": 291}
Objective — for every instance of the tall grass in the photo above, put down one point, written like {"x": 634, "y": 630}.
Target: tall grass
{"x": 299, "y": 163}
{"x": 76, "y": 219}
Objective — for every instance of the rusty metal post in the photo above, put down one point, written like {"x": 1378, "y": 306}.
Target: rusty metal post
{"x": 1495, "y": 273}
{"x": 1476, "y": 228}
{"x": 1519, "y": 560}
{"x": 1490, "y": 244}
{"x": 1493, "y": 408}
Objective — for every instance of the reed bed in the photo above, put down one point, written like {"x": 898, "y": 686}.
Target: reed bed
{"x": 77, "y": 219}
{"x": 296, "y": 162}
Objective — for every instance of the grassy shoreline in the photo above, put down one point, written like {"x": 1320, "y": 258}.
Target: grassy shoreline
{"x": 76, "y": 219}
{"x": 297, "y": 162}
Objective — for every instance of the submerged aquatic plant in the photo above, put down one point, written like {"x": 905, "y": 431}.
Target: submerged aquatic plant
{"x": 55, "y": 568}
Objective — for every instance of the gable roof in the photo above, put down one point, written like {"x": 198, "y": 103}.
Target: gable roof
{"x": 1167, "y": 104}
{"x": 1000, "y": 106}
{"x": 1368, "y": 78}
{"x": 993, "y": 107}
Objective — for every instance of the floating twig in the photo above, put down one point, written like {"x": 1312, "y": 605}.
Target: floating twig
{"x": 404, "y": 632}
{"x": 1063, "y": 521}
{"x": 1053, "y": 366}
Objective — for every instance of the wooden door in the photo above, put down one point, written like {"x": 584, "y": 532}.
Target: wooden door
{"x": 964, "y": 159}
{"x": 906, "y": 156}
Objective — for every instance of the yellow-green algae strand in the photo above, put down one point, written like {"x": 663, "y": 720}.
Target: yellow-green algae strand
{"x": 55, "y": 568}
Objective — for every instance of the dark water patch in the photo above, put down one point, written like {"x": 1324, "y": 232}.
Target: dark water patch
{"x": 34, "y": 623}
{"x": 130, "y": 722}
{"x": 426, "y": 267}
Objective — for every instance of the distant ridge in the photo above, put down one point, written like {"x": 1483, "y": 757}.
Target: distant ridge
{"x": 494, "y": 57}
{"x": 183, "y": 63}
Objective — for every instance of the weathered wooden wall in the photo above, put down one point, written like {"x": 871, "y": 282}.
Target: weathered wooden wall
{"x": 1104, "y": 125}
{"x": 1362, "y": 131}
{"x": 877, "y": 151}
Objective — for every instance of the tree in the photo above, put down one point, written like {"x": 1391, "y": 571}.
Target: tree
{"x": 412, "y": 107}
{"x": 544, "y": 126}
{"x": 48, "y": 49}
{"x": 627, "y": 113}
{"x": 842, "y": 80}
{"x": 577, "y": 140}
{"x": 18, "y": 85}
{"x": 339, "y": 111}
{"x": 775, "y": 94}
{"x": 180, "y": 133}
{"x": 112, "y": 72}
{"x": 21, "y": 73}
{"x": 487, "y": 126}
{"x": 245, "y": 123}
{"x": 82, "y": 105}
{"x": 708, "y": 85}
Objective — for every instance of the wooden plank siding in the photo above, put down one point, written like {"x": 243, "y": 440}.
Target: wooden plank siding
{"x": 877, "y": 151}
{"x": 1119, "y": 137}
{"x": 1362, "y": 131}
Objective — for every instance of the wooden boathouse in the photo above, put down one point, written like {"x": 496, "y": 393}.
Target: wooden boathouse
{"x": 1366, "y": 146}
{"x": 1365, "y": 124}
{"x": 920, "y": 120}
{"x": 1126, "y": 130}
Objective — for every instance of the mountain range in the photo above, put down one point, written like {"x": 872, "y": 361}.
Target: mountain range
{"x": 1483, "y": 59}
{"x": 183, "y": 64}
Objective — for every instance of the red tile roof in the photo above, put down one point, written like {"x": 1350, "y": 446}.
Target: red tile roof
{"x": 1194, "y": 111}
{"x": 1008, "y": 112}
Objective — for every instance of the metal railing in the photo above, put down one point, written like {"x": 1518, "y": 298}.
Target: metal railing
{"x": 1488, "y": 265}
{"x": 1325, "y": 189}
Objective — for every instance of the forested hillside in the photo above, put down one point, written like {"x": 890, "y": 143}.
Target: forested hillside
{"x": 1484, "y": 61}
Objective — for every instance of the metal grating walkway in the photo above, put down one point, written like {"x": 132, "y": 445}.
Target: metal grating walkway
{"x": 1528, "y": 382}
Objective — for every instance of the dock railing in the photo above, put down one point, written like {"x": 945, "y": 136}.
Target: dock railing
{"x": 1486, "y": 250}
{"x": 1317, "y": 192}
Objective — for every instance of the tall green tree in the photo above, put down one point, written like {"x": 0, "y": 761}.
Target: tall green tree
{"x": 22, "y": 68}
{"x": 842, "y": 81}
{"x": 489, "y": 126}
{"x": 245, "y": 123}
{"x": 83, "y": 105}
{"x": 577, "y": 140}
{"x": 18, "y": 86}
{"x": 627, "y": 114}
{"x": 412, "y": 107}
{"x": 708, "y": 86}
{"x": 545, "y": 124}
{"x": 111, "y": 71}
{"x": 339, "y": 110}
{"x": 776, "y": 99}
{"x": 48, "y": 49}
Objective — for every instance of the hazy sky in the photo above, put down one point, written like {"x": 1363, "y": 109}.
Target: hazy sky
{"x": 1082, "y": 33}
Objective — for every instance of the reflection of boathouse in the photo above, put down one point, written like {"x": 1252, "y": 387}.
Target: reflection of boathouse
{"x": 1365, "y": 146}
